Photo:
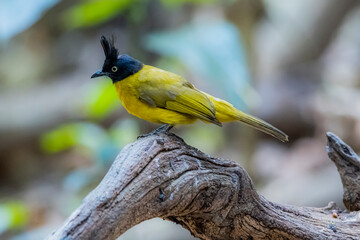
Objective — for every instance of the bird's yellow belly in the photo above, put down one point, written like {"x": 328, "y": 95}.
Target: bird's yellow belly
{"x": 144, "y": 111}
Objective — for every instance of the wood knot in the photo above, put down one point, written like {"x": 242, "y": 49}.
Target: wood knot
{"x": 161, "y": 196}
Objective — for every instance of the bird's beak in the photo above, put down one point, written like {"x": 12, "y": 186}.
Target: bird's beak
{"x": 98, "y": 74}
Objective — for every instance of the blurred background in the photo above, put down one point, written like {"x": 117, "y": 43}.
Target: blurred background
{"x": 295, "y": 64}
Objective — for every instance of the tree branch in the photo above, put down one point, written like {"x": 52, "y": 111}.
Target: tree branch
{"x": 162, "y": 176}
{"x": 348, "y": 165}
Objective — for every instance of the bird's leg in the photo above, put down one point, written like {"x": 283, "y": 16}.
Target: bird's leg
{"x": 162, "y": 129}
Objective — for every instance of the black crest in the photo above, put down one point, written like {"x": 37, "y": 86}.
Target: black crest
{"x": 111, "y": 53}
{"x": 116, "y": 67}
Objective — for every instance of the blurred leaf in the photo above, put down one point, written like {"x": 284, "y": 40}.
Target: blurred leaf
{"x": 14, "y": 215}
{"x": 177, "y": 3}
{"x": 101, "y": 99}
{"x": 124, "y": 132}
{"x": 37, "y": 233}
{"x": 74, "y": 134}
{"x": 93, "y": 12}
{"x": 207, "y": 138}
{"x": 107, "y": 153}
{"x": 90, "y": 137}
{"x": 213, "y": 50}
{"x": 137, "y": 12}
{"x": 78, "y": 179}
{"x": 18, "y": 15}
{"x": 59, "y": 139}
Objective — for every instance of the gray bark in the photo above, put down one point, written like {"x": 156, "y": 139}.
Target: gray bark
{"x": 348, "y": 165}
{"x": 161, "y": 176}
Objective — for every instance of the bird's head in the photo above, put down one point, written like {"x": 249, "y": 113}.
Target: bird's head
{"x": 117, "y": 67}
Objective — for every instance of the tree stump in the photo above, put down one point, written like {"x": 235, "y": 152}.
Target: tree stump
{"x": 161, "y": 176}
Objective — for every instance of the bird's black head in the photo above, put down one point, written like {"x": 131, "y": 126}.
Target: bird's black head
{"x": 116, "y": 67}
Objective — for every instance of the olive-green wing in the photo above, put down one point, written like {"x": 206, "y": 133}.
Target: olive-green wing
{"x": 169, "y": 91}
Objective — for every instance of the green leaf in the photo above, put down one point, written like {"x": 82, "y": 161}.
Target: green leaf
{"x": 70, "y": 135}
{"x": 101, "y": 99}
{"x": 93, "y": 12}
{"x": 177, "y": 3}
{"x": 59, "y": 139}
{"x": 207, "y": 137}
{"x": 124, "y": 132}
{"x": 14, "y": 215}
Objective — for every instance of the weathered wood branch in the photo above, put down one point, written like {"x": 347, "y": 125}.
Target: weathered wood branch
{"x": 161, "y": 176}
{"x": 348, "y": 165}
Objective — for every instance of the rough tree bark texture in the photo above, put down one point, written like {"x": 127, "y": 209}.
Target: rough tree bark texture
{"x": 348, "y": 165}
{"x": 161, "y": 176}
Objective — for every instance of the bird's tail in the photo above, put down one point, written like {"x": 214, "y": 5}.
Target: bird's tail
{"x": 226, "y": 112}
{"x": 262, "y": 126}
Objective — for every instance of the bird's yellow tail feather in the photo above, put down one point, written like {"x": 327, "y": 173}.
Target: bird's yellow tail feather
{"x": 226, "y": 112}
{"x": 262, "y": 126}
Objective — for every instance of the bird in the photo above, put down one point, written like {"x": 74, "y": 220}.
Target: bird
{"x": 166, "y": 98}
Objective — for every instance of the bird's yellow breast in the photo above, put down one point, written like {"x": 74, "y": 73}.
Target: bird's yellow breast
{"x": 128, "y": 93}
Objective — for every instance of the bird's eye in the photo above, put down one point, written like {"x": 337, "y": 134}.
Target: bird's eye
{"x": 114, "y": 69}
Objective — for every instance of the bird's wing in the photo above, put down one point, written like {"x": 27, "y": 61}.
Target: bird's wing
{"x": 166, "y": 90}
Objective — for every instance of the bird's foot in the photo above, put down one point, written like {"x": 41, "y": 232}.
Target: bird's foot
{"x": 162, "y": 129}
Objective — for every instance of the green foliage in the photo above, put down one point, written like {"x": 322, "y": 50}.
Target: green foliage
{"x": 14, "y": 215}
{"x": 71, "y": 135}
{"x": 177, "y": 3}
{"x": 101, "y": 99}
{"x": 124, "y": 132}
{"x": 90, "y": 13}
{"x": 103, "y": 144}
{"x": 59, "y": 139}
{"x": 93, "y": 12}
{"x": 207, "y": 137}
{"x": 86, "y": 13}
{"x": 100, "y": 145}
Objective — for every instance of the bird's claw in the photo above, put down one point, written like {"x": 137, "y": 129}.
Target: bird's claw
{"x": 162, "y": 129}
